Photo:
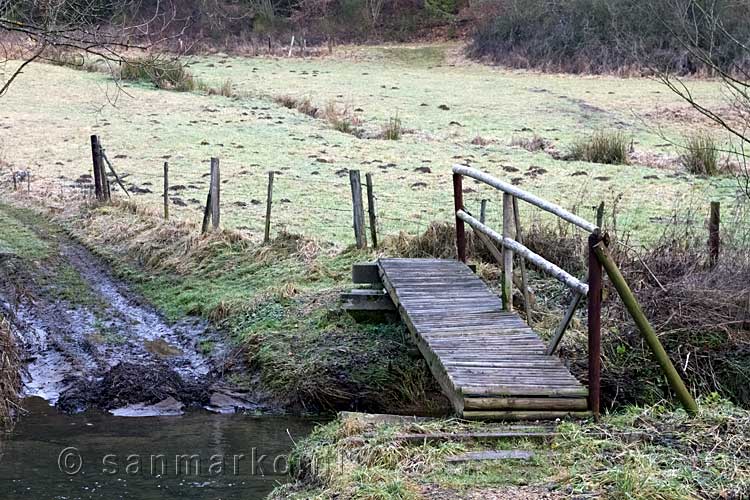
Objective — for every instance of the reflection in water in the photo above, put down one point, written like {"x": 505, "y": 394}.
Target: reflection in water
{"x": 99, "y": 456}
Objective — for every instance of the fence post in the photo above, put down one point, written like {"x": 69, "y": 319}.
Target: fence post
{"x": 458, "y": 201}
{"x": 206, "y": 213}
{"x": 483, "y": 211}
{"x": 96, "y": 159}
{"x": 215, "y": 193}
{"x": 166, "y": 190}
{"x": 358, "y": 210}
{"x": 594, "y": 321}
{"x": 269, "y": 200}
{"x": 28, "y": 180}
{"x": 714, "y": 240}
{"x": 522, "y": 265}
{"x": 507, "y": 252}
{"x": 15, "y": 182}
{"x": 371, "y": 210}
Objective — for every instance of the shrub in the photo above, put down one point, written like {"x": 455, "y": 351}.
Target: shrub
{"x": 288, "y": 101}
{"x": 607, "y": 35}
{"x": 164, "y": 73}
{"x": 602, "y": 147}
{"x": 392, "y": 131}
{"x": 701, "y": 154}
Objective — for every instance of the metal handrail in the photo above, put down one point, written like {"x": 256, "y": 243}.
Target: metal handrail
{"x": 527, "y": 197}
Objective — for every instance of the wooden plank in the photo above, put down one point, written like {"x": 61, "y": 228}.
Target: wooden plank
{"x": 521, "y": 390}
{"x": 524, "y": 415}
{"x": 367, "y": 300}
{"x": 480, "y": 355}
{"x": 496, "y": 404}
{"x": 366, "y": 273}
{"x": 491, "y": 455}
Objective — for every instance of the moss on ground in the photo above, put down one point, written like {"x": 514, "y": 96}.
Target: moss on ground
{"x": 656, "y": 453}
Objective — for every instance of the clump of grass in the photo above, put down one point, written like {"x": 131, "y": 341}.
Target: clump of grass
{"x": 288, "y": 101}
{"x": 10, "y": 382}
{"x": 305, "y": 106}
{"x": 392, "y": 130}
{"x": 164, "y": 73}
{"x": 480, "y": 141}
{"x": 602, "y": 147}
{"x": 225, "y": 89}
{"x": 701, "y": 156}
{"x": 76, "y": 61}
{"x": 342, "y": 120}
{"x": 534, "y": 143}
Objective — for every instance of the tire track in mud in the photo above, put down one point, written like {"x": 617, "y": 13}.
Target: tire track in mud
{"x": 113, "y": 352}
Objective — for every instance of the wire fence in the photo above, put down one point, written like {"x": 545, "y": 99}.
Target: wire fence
{"x": 319, "y": 203}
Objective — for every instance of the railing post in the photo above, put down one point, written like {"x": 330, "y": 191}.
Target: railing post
{"x": 508, "y": 221}
{"x": 458, "y": 199}
{"x": 594, "y": 325}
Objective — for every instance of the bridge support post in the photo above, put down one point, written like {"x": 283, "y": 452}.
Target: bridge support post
{"x": 594, "y": 324}
{"x": 458, "y": 199}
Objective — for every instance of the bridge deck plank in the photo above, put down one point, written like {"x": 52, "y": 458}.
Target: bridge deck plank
{"x": 477, "y": 351}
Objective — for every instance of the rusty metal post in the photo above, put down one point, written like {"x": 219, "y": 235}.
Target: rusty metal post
{"x": 594, "y": 325}
{"x": 458, "y": 198}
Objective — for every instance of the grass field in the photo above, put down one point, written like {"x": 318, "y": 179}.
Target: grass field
{"x": 48, "y": 116}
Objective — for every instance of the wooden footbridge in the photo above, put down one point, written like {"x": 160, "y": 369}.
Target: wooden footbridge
{"x": 488, "y": 361}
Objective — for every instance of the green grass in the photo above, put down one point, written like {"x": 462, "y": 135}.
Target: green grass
{"x": 654, "y": 453}
{"x": 277, "y": 302}
{"x": 18, "y": 239}
{"x": 252, "y": 134}
{"x": 35, "y": 242}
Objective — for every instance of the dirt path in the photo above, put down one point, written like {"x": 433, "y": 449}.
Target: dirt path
{"x": 90, "y": 341}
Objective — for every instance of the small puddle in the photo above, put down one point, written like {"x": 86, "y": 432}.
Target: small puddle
{"x": 95, "y": 455}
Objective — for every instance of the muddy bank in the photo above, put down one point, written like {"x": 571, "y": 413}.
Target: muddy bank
{"x": 89, "y": 341}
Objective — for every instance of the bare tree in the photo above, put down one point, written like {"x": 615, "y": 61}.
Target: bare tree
{"x": 31, "y": 29}
{"x": 724, "y": 53}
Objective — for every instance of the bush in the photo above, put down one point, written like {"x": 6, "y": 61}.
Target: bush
{"x": 701, "y": 155}
{"x": 164, "y": 73}
{"x": 608, "y": 35}
{"x": 602, "y": 147}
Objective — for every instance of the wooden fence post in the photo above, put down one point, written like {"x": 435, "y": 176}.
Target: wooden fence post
{"x": 358, "y": 210}
{"x": 96, "y": 159}
{"x": 166, "y": 190}
{"x": 15, "y": 181}
{"x": 371, "y": 210}
{"x": 507, "y": 252}
{"x": 269, "y": 200}
{"x": 28, "y": 180}
{"x": 483, "y": 211}
{"x": 206, "y": 213}
{"x": 458, "y": 201}
{"x": 714, "y": 239}
{"x": 215, "y": 193}
{"x": 594, "y": 321}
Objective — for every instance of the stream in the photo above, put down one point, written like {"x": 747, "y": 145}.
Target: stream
{"x": 96, "y": 455}
{"x": 120, "y": 403}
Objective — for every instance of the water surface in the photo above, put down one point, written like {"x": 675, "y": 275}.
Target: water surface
{"x": 96, "y": 455}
